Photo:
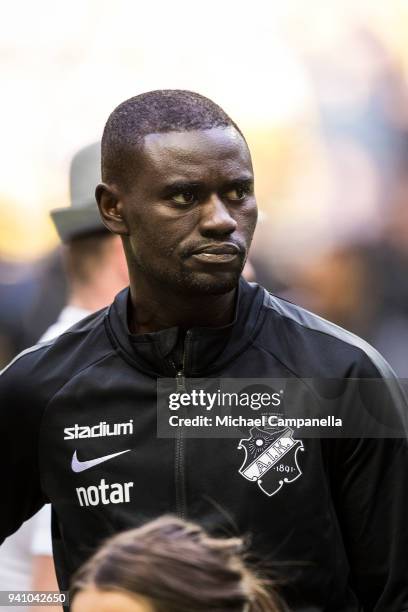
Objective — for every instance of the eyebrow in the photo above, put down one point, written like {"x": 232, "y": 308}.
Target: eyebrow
{"x": 244, "y": 181}
{"x": 180, "y": 186}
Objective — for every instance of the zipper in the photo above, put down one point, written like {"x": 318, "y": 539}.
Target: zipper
{"x": 180, "y": 446}
{"x": 180, "y": 382}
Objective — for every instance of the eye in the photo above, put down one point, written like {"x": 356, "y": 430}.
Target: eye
{"x": 238, "y": 192}
{"x": 184, "y": 197}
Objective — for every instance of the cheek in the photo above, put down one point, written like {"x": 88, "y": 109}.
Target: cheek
{"x": 247, "y": 218}
{"x": 150, "y": 245}
{"x": 162, "y": 235}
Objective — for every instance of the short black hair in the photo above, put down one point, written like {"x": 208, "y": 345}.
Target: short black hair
{"x": 159, "y": 111}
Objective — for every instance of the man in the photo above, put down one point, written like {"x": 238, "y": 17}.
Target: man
{"x": 96, "y": 271}
{"x": 178, "y": 188}
{"x": 95, "y": 264}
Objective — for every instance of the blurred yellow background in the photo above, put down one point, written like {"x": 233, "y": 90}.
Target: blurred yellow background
{"x": 65, "y": 66}
{"x": 319, "y": 88}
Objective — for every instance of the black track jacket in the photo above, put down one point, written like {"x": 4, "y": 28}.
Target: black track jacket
{"x": 78, "y": 419}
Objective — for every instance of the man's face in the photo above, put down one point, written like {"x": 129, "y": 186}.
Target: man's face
{"x": 191, "y": 211}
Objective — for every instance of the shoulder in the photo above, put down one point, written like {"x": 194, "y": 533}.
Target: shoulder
{"x": 44, "y": 367}
{"x": 317, "y": 347}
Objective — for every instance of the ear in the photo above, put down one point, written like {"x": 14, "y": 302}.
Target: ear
{"x": 111, "y": 208}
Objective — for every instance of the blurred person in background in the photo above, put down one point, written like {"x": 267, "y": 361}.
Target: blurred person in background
{"x": 170, "y": 565}
{"x": 31, "y": 297}
{"x": 94, "y": 260}
{"x": 96, "y": 270}
{"x": 178, "y": 187}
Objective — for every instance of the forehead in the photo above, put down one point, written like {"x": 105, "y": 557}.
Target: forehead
{"x": 92, "y": 599}
{"x": 194, "y": 155}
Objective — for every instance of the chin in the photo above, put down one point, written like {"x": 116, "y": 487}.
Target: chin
{"x": 210, "y": 285}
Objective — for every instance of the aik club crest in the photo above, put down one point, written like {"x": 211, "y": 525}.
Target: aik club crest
{"x": 270, "y": 458}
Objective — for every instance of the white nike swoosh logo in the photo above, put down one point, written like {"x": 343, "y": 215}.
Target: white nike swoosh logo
{"x": 80, "y": 466}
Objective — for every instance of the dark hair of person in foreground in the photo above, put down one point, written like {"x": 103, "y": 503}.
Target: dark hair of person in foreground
{"x": 174, "y": 566}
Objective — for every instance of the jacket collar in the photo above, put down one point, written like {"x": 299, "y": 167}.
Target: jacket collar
{"x": 203, "y": 351}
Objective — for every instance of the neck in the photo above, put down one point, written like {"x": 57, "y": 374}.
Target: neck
{"x": 154, "y": 309}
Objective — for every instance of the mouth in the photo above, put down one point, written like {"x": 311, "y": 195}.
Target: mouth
{"x": 217, "y": 253}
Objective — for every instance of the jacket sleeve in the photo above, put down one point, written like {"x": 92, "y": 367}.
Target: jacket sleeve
{"x": 21, "y": 412}
{"x": 369, "y": 478}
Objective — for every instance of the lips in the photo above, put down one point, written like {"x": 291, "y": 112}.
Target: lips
{"x": 227, "y": 248}
{"x": 216, "y": 253}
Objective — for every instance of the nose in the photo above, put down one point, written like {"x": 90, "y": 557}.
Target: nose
{"x": 215, "y": 219}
